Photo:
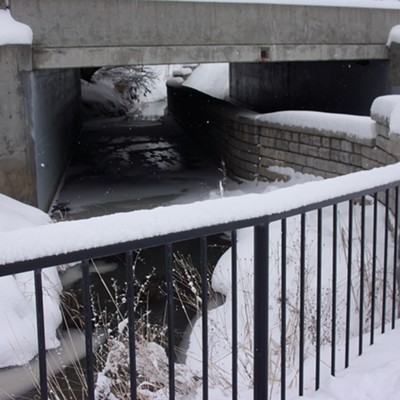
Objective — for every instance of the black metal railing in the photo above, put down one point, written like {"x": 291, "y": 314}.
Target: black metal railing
{"x": 362, "y": 294}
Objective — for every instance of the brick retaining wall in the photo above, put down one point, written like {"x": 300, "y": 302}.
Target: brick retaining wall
{"x": 248, "y": 146}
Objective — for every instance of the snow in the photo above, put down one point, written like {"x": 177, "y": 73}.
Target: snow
{"x": 12, "y": 31}
{"x": 212, "y": 79}
{"x": 18, "y": 339}
{"x": 374, "y": 376}
{"x": 349, "y": 125}
{"x": 386, "y": 110}
{"x": 219, "y": 319}
{"x": 383, "y": 4}
{"x": 394, "y": 35}
{"x": 28, "y": 243}
{"x": 26, "y": 233}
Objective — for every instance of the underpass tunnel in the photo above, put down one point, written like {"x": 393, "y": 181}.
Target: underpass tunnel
{"x": 133, "y": 152}
{"x": 130, "y": 154}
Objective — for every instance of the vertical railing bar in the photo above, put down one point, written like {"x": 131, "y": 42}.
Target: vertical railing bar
{"x": 41, "y": 334}
{"x": 334, "y": 288}
{"x": 362, "y": 275}
{"x": 204, "y": 311}
{"x": 302, "y": 301}
{"x": 131, "y": 321}
{"x": 234, "y": 316}
{"x": 395, "y": 254}
{"x": 261, "y": 306}
{"x": 348, "y": 291}
{"x": 283, "y": 307}
{"x": 87, "y": 307}
{"x": 385, "y": 261}
{"x": 171, "y": 319}
{"x": 319, "y": 300}
{"x": 374, "y": 259}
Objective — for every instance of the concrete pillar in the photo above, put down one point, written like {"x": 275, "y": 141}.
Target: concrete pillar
{"x": 17, "y": 160}
{"x": 40, "y": 118}
{"x": 394, "y": 71}
{"x": 332, "y": 86}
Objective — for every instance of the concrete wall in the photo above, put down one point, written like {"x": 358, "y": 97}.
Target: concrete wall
{"x": 249, "y": 146}
{"x": 331, "y": 86}
{"x": 86, "y": 33}
{"x": 39, "y": 121}
{"x": 55, "y": 105}
{"x": 17, "y": 159}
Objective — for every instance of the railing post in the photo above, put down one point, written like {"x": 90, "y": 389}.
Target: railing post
{"x": 171, "y": 320}
{"x": 40, "y": 334}
{"x": 204, "y": 312}
{"x": 234, "y": 316}
{"x": 87, "y": 307}
{"x": 395, "y": 255}
{"x": 302, "y": 301}
{"x": 261, "y": 304}
{"x": 130, "y": 292}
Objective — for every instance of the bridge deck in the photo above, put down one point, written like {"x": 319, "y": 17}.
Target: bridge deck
{"x": 79, "y": 33}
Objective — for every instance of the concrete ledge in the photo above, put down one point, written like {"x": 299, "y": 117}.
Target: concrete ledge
{"x": 76, "y": 57}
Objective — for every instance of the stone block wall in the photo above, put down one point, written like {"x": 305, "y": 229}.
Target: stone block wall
{"x": 248, "y": 146}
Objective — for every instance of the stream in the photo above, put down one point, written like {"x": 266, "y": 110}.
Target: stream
{"x": 121, "y": 165}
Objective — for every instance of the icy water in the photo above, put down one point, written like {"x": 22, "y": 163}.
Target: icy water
{"x": 121, "y": 165}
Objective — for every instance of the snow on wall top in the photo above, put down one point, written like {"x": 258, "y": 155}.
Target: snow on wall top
{"x": 382, "y": 4}
{"x": 349, "y": 125}
{"x": 386, "y": 110}
{"x": 12, "y": 31}
{"x": 394, "y": 35}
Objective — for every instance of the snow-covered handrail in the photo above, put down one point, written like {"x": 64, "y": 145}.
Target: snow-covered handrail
{"x": 141, "y": 226}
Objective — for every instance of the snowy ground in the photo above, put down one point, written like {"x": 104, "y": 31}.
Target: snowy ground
{"x": 381, "y": 364}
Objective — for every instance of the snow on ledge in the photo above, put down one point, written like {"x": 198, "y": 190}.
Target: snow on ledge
{"x": 12, "y": 31}
{"x": 377, "y": 4}
{"x": 349, "y": 125}
{"x": 385, "y": 110}
{"x": 394, "y": 35}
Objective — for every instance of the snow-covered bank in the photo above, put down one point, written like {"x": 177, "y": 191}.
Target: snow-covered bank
{"x": 373, "y": 376}
{"x": 18, "y": 339}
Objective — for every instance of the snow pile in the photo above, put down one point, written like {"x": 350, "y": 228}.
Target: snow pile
{"x": 12, "y": 31}
{"x": 350, "y": 125}
{"x": 394, "y": 35}
{"x": 374, "y": 376}
{"x": 386, "y": 110}
{"x": 18, "y": 339}
{"x": 220, "y": 319}
{"x": 212, "y": 79}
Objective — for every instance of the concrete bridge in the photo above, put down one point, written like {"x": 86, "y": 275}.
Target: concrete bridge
{"x": 40, "y": 84}
{"x": 79, "y": 33}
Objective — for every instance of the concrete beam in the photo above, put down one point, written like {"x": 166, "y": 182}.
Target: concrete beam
{"x": 75, "y": 57}
{"x": 151, "y": 32}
